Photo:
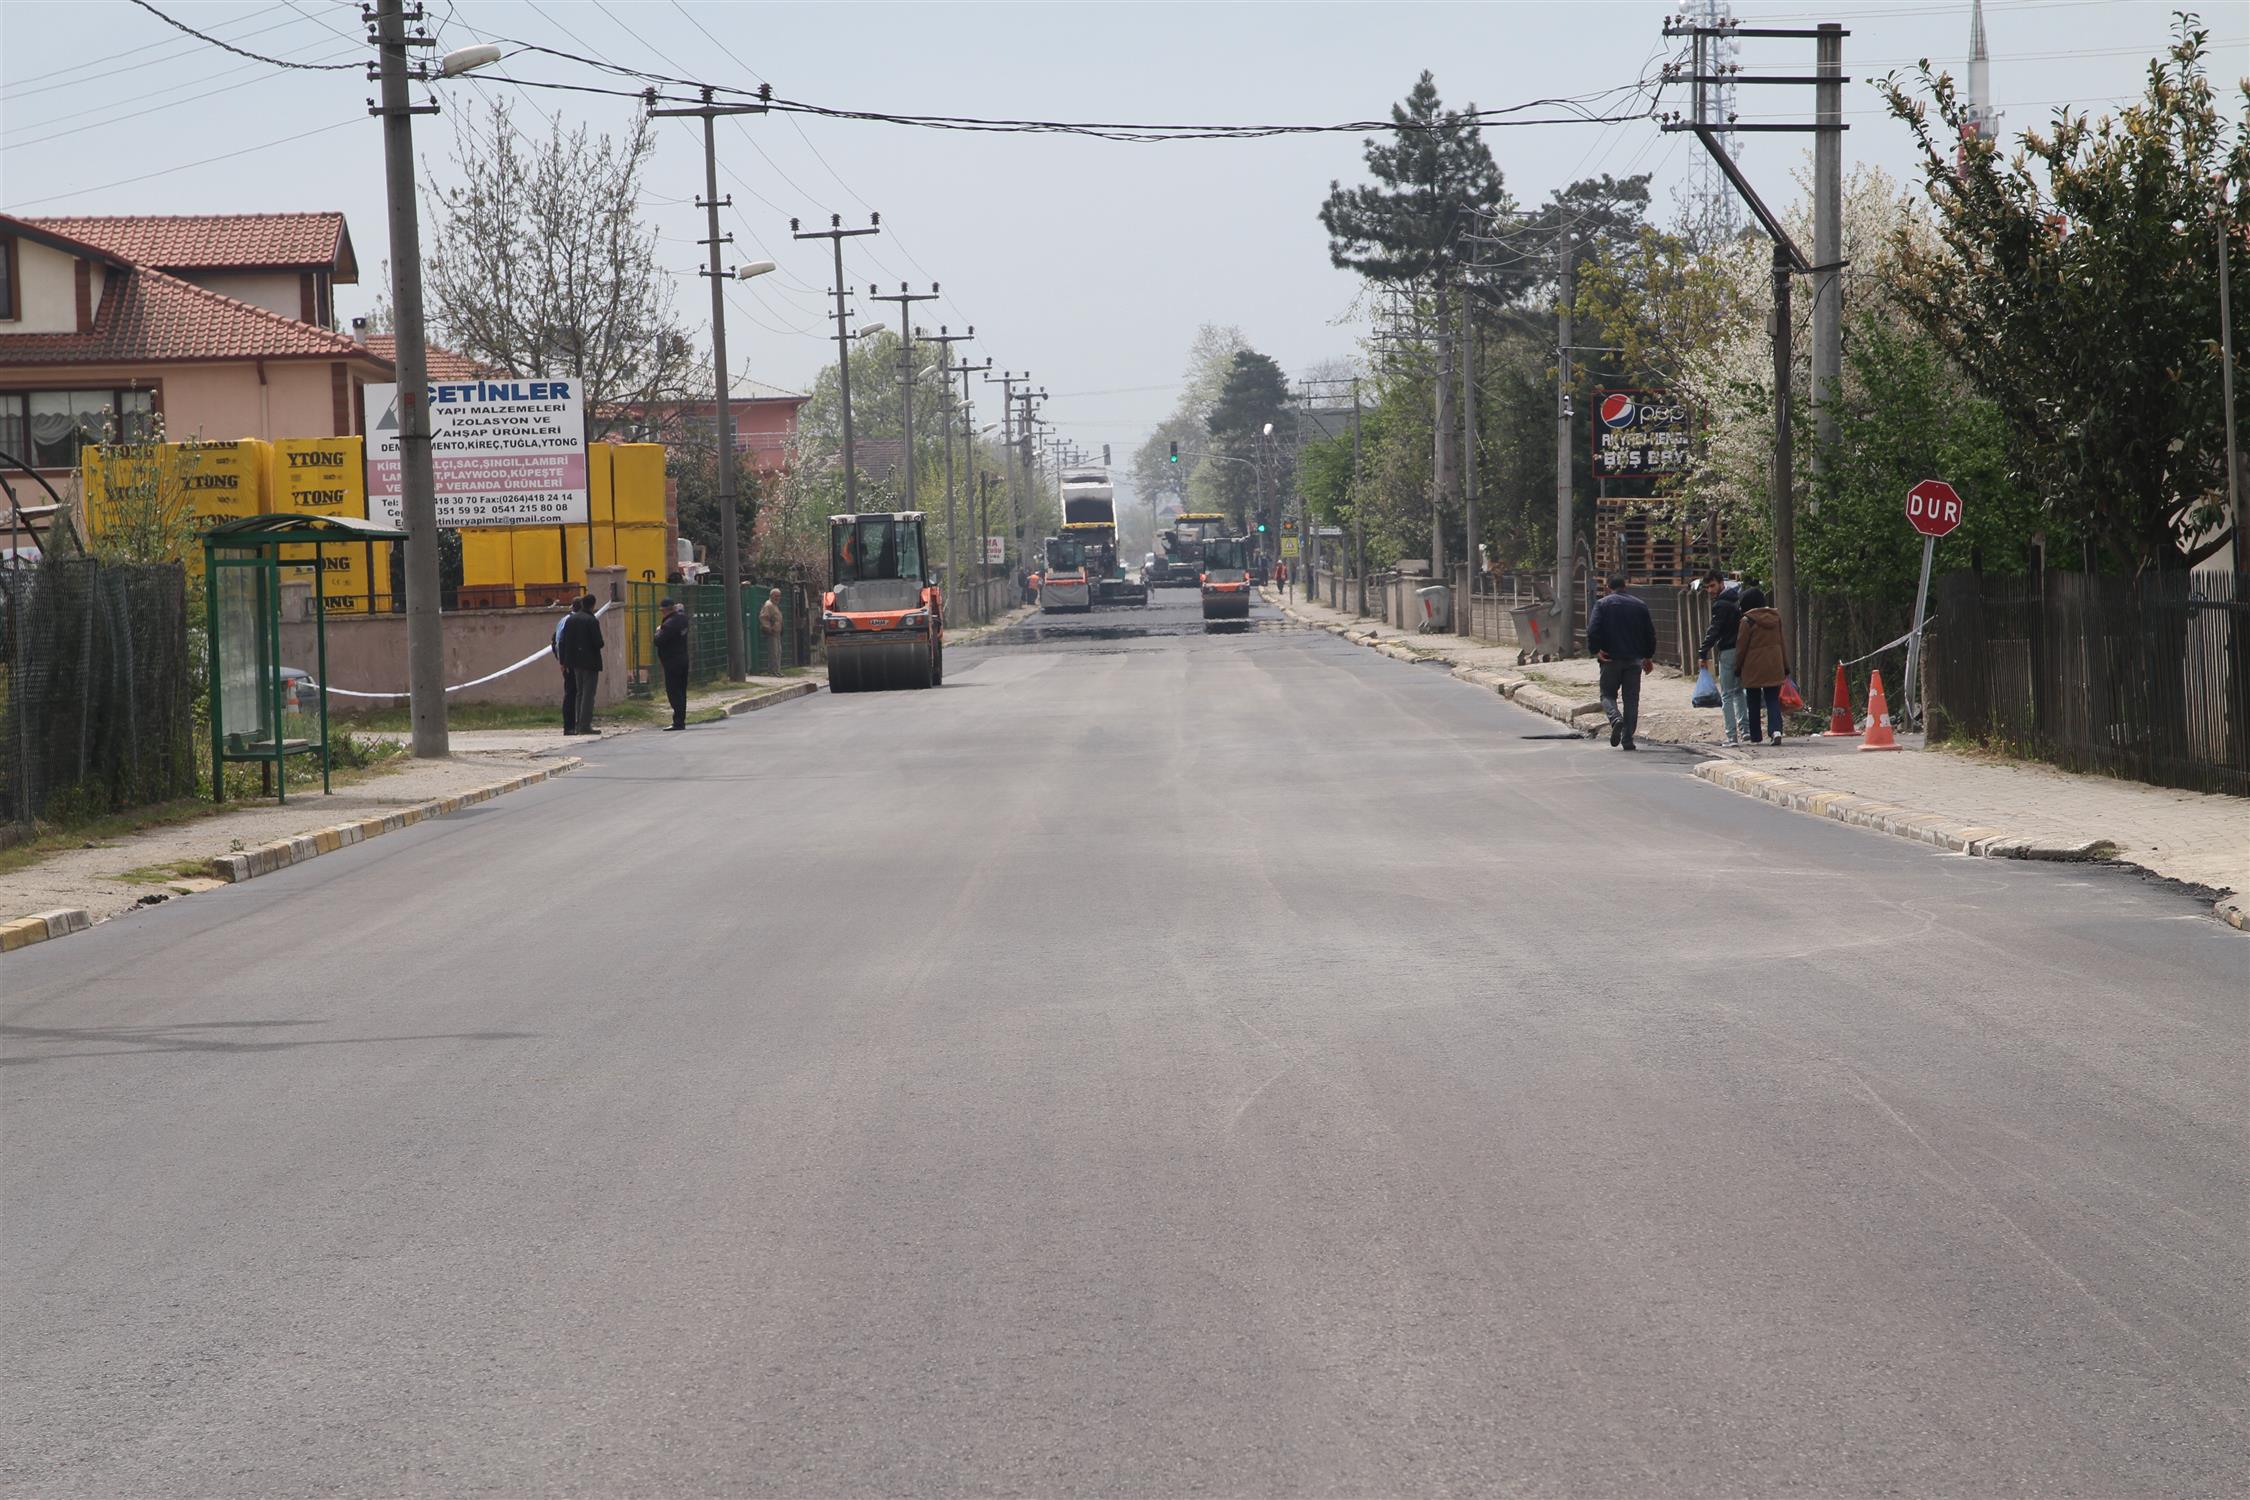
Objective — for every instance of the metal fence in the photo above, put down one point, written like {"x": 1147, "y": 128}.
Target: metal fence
{"x": 97, "y": 704}
{"x": 707, "y": 628}
{"x": 2147, "y": 678}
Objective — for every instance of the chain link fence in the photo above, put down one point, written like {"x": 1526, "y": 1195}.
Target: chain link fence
{"x": 97, "y": 705}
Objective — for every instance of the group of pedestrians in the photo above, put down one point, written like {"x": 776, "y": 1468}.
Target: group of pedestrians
{"x": 1745, "y": 644}
{"x": 578, "y": 646}
{"x": 1749, "y": 654}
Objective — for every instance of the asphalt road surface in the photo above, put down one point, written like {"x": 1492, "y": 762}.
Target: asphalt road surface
{"x": 1157, "y": 1062}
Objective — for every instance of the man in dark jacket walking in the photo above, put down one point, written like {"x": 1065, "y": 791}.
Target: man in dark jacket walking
{"x": 672, "y": 655}
{"x": 1718, "y": 649}
{"x": 1622, "y": 634}
{"x": 581, "y": 652}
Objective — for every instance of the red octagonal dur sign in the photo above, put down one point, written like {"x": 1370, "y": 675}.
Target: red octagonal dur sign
{"x": 1932, "y": 508}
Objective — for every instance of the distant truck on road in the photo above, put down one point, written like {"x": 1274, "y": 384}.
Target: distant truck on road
{"x": 1089, "y": 512}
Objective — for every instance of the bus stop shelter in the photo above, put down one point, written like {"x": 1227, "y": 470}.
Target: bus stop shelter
{"x": 263, "y": 709}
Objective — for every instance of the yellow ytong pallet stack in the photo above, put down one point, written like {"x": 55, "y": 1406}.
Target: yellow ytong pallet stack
{"x": 145, "y": 487}
{"x": 328, "y": 477}
{"x": 625, "y": 501}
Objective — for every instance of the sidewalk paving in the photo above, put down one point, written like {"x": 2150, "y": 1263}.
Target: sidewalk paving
{"x": 93, "y": 879}
{"x": 79, "y": 887}
{"x": 1953, "y": 798}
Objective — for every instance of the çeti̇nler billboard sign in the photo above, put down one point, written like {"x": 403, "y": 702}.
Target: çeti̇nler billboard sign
{"x": 506, "y": 452}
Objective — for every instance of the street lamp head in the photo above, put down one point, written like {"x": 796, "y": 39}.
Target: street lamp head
{"x": 466, "y": 59}
{"x": 868, "y": 331}
{"x": 1269, "y": 429}
{"x": 753, "y": 268}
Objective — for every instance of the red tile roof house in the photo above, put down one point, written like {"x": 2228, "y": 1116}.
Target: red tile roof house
{"x": 220, "y": 323}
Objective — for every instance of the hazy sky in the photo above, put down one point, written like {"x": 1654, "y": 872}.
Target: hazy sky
{"x": 1090, "y": 263}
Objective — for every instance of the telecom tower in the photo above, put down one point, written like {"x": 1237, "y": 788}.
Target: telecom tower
{"x": 1710, "y": 212}
{"x": 1983, "y": 121}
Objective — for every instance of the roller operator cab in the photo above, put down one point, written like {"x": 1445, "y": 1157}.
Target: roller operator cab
{"x": 1064, "y": 583}
{"x": 882, "y": 621}
{"x": 1226, "y": 578}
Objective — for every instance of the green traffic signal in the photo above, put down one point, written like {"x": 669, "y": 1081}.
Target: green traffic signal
{"x": 1175, "y": 458}
{"x": 1261, "y": 526}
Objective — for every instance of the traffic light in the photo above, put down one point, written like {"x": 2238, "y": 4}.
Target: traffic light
{"x": 1105, "y": 455}
{"x": 1261, "y": 528}
{"x": 1175, "y": 458}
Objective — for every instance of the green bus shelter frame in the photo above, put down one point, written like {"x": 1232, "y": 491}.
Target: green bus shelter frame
{"x": 254, "y": 544}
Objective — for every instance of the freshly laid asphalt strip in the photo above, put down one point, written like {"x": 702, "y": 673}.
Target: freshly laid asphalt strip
{"x": 1156, "y": 1062}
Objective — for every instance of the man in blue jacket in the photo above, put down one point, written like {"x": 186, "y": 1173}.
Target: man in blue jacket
{"x": 1622, "y": 635}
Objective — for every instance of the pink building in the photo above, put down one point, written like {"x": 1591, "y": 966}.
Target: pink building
{"x": 220, "y": 324}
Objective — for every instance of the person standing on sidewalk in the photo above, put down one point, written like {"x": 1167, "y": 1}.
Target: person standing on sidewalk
{"x": 769, "y": 624}
{"x": 1622, "y": 635}
{"x": 582, "y": 647}
{"x": 1719, "y": 649}
{"x": 1761, "y": 660}
{"x": 672, "y": 655}
{"x": 570, "y": 686}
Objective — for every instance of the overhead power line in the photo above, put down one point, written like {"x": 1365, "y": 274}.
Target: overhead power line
{"x": 227, "y": 46}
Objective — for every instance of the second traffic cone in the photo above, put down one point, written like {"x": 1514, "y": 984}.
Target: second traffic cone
{"x": 1879, "y": 735}
{"x": 1840, "y": 717}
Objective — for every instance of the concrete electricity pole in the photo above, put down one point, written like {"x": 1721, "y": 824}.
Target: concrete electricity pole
{"x": 1469, "y": 553}
{"x": 836, "y": 234}
{"x": 1566, "y": 549}
{"x": 1007, "y": 382}
{"x": 1444, "y": 475}
{"x": 417, "y": 480}
{"x": 730, "y": 549}
{"x": 906, "y": 300}
{"x": 1827, "y": 131}
{"x": 945, "y": 339}
{"x": 1828, "y": 241}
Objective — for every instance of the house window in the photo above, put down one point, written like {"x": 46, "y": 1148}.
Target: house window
{"x": 45, "y": 429}
{"x": 9, "y": 312}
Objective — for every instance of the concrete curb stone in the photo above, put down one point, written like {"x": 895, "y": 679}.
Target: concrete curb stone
{"x": 1930, "y": 828}
{"x": 768, "y": 698}
{"x": 249, "y": 864}
{"x": 40, "y": 926}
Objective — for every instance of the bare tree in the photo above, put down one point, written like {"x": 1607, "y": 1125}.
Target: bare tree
{"x": 540, "y": 265}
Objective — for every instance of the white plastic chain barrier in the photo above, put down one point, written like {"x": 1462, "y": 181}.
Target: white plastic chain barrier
{"x": 546, "y": 654}
{"x": 1879, "y": 650}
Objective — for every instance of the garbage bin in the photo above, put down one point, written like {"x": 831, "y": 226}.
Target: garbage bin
{"x": 1437, "y": 609}
{"x": 1535, "y": 632}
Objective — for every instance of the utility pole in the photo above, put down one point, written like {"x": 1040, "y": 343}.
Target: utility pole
{"x": 1828, "y": 244}
{"x": 1359, "y": 521}
{"x": 1779, "y": 487}
{"x": 2226, "y": 397}
{"x": 1007, "y": 383}
{"x": 1566, "y": 549}
{"x": 1827, "y": 130}
{"x": 970, "y": 479}
{"x": 417, "y": 480}
{"x": 1469, "y": 553}
{"x": 906, "y": 300}
{"x": 730, "y": 550}
{"x": 1025, "y": 516}
{"x": 945, "y": 339}
{"x": 836, "y": 234}
{"x": 1443, "y": 474}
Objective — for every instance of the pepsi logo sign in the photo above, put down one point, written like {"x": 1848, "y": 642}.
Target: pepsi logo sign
{"x": 1618, "y": 410}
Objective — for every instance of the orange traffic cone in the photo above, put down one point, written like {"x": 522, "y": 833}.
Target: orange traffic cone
{"x": 1879, "y": 735}
{"x": 1840, "y": 717}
